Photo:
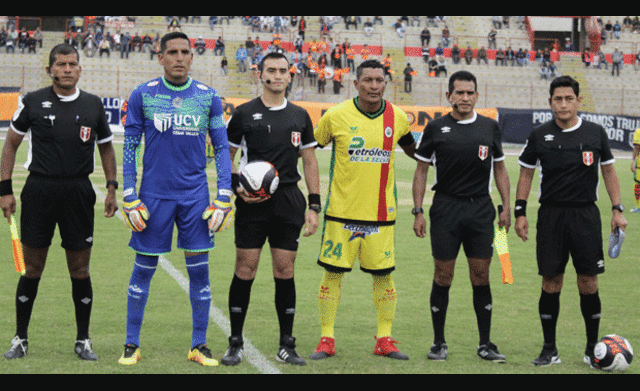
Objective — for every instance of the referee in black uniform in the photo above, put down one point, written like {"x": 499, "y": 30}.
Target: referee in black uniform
{"x": 570, "y": 152}
{"x": 270, "y": 128}
{"x": 64, "y": 124}
{"x": 466, "y": 150}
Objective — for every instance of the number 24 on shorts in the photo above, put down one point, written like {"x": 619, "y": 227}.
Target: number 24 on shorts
{"x": 331, "y": 250}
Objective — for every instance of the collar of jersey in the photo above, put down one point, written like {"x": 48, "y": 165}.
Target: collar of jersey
{"x": 174, "y": 87}
{"x": 370, "y": 115}
{"x": 470, "y": 120}
{"x": 69, "y": 98}
{"x": 576, "y": 126}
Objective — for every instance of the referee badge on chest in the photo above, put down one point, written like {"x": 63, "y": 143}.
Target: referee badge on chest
{"x": 85, "y": 133}
{"x": 483, "y": 152}
{"x": 296, "y": 138}
{"x": 587, "y": 158}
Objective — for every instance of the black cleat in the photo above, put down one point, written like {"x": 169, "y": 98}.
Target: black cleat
{"x": 234, "y": 353}
{"x": 287, "y": 352}
{"x": 548, "y": 356}
{"x": 18, "y": 348}
{"x": 490, "y": 352}
{"x": 84, "y": 350}
{"x": 438, "y": 352}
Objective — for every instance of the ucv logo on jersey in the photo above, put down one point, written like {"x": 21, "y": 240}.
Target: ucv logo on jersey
{"x": 163, "y": 121}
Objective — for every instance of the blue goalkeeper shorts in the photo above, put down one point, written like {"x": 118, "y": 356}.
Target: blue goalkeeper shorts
{"x": 193, "y": 233}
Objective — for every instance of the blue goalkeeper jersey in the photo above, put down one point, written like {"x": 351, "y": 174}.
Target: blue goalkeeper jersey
{"x": 174, "y": 121}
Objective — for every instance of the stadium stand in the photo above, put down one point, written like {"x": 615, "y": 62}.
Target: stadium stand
{"x": 499, "y": 86}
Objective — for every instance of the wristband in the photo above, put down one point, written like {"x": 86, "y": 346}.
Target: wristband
{"x": 520, "y": 208}
{"x": 6, "y": 188}
{"x": 314, "y": 199}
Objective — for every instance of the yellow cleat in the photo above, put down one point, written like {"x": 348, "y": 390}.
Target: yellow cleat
{"x": 131, "y": 355}
{"x": 202, "y": 355}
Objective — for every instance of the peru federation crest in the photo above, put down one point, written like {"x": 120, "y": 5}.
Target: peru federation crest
{"x": 483, "y": 152}
{"x": 296, "y": 138}
{"x": 85, "y": 133}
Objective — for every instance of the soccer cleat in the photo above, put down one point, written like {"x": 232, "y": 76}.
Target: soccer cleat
{"x": 234, "y": 353}
{"x": 616, "y": 239}
{"x": 202, "y": 355}
{"x": 438, "y": 352}
{"x": 131, "y": 355}
{"x": 18, "y": 349}
{"x": 589, "y": 356}
{"x": 326, "y": 348}
{"x": 386, "y": 346}
{"x": 490, "y": 352}
{"x": 287, "y": 352}
{"x": 548, "y": 356}
{"x": 84, "y": 350}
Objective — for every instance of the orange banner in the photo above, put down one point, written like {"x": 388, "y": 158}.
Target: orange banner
{"x": 418, "y": 116}
{"x": 8, "y": 104}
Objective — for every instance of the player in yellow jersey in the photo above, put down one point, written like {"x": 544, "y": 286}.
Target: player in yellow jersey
{"x": 361, "y": 206}
{"x": 636, "y": 170}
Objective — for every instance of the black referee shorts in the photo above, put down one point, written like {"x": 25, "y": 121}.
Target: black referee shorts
{"x": 569, "y": 230}
{"x": 279, "y": 219}
{"x": 67, "y": 202}
{"x": 461, "y": 221}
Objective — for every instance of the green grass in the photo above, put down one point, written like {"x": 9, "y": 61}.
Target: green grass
{"x": 166, "y": 332}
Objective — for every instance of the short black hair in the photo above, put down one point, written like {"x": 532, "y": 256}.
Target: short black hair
{"x": 464, "y": 76}
{"x": 173, "y": 35}
{"x": 62, "y": 49}
{"x": 564, "y": 81}
{"x": 368, "y": 64}
{"x": 272, "y": 56}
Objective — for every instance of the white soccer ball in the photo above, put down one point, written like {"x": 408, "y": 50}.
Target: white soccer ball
{"x": 613, "y": 353}
{"x": 259, "y": 179}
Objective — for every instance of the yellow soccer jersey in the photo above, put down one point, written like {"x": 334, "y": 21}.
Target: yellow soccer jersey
{"x": 636, "y": 141}
{"x": 636, "y": 137}
{"x": 362, "y": 181}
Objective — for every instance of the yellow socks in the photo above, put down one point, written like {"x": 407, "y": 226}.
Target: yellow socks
{"x": 384, "y": 299}
{"x": 328, "y": 299}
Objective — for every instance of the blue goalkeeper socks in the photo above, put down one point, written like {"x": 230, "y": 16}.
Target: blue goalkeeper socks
{"x": 143, "y": 269}
{"x": 200, "y": 295}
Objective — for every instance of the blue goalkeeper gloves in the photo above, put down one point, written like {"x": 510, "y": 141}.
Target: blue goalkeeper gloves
{"x": 219, "y": 214}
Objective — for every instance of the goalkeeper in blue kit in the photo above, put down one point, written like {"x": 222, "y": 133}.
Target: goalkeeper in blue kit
{"x": 174, "y": 113}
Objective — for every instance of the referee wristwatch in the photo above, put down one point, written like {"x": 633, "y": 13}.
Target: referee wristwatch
{"x": 416, "y": 211}
{"x": 316, "y": 208}
{"x": 619, "y": 208}
{"x": 114, "y": 183}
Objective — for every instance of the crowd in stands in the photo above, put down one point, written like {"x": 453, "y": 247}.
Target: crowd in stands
{"x": 11, "y": 39}
{"x": 324, "y": 59}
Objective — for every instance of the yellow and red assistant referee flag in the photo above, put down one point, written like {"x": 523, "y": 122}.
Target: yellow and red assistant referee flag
{"x": 502, "y": 248}
{"x": 18, "y": 257}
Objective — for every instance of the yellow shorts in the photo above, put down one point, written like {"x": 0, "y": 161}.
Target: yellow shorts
{"x": 342, "y": 243}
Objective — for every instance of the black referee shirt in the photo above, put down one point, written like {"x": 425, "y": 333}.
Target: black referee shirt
{"x": 569, "y": 160}
{"x": 275, "y": 134}
{"x": 64, "y": 131}
{"x": 462, "y": 153}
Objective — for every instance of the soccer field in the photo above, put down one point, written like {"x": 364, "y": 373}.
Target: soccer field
{"x": 166, "y": 332}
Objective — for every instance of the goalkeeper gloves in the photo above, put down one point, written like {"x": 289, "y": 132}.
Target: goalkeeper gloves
{"x": 219, "y": 214}
{"x": 135, "y": 215}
